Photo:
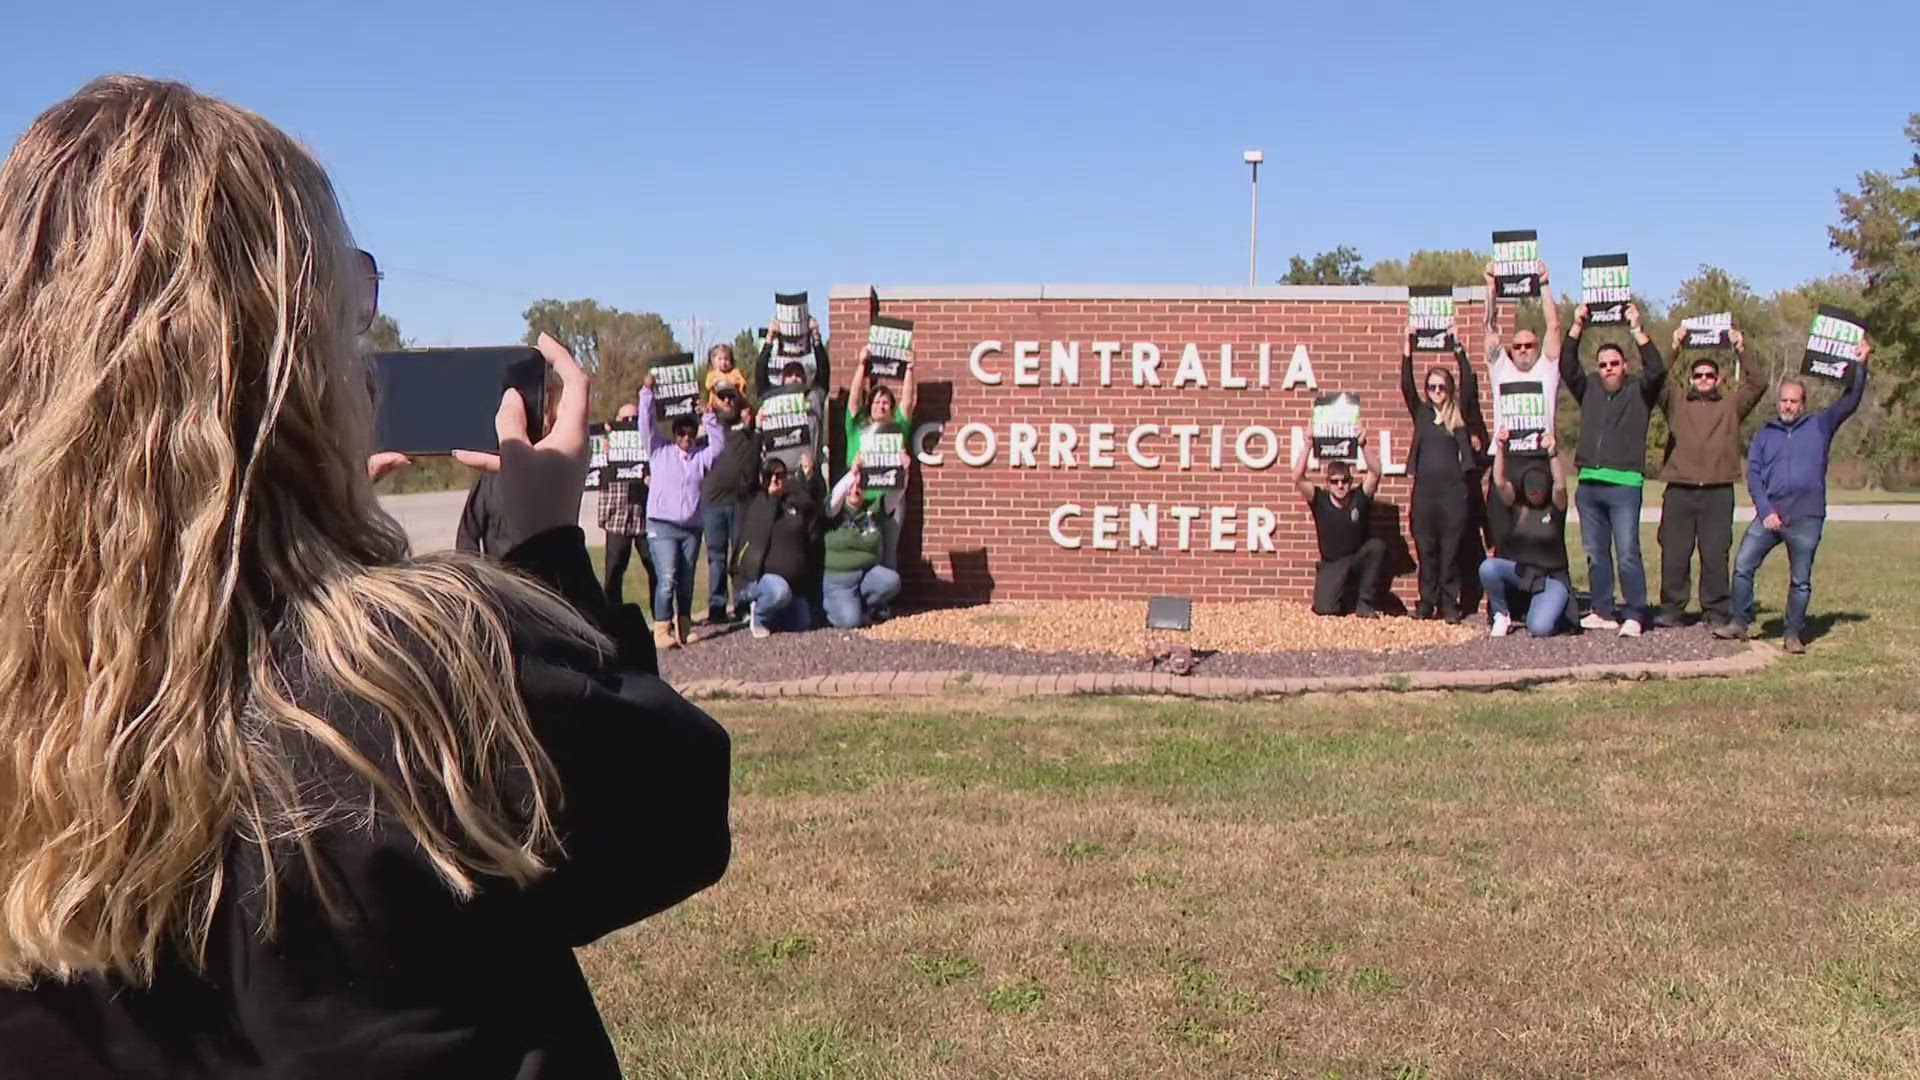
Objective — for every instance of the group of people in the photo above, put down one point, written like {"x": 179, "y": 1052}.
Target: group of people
{"x": 787, "y": 545}
{"x": 1467, "y": 480}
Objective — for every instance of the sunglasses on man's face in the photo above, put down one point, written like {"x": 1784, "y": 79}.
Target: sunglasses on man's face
{"x": 1341, "y": 481}
{"x": 368, "y": 276}
{"x": 1524, "y": 346}
{"x": 1605, "y": 366}
{"x": 1706, "y": 374}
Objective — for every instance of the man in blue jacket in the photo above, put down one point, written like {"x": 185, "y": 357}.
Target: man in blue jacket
{"x": 1787, "y": 477}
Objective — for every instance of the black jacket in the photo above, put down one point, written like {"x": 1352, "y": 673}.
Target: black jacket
{"x": 417, "y": 983}
{"x": 1467, "y": 387}
{"x": 777, "y": 535}
{"x": 483, "y": 528}
{"x": 1613, "y": 427}
{"x": 735, "y": 474}
{"x": 765, "y": 381}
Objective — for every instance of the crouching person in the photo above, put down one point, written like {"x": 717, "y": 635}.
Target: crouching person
{"x": 776, "y": 542}
{"x": 1348, "y": 578}
{"x": 1532, "y": 567}
{"x": 855, "y": 582}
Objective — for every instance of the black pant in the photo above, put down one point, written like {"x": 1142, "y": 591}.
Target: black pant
{"x": 1341, "y": 585}
{"x": 1696, "y": 517}
{"x": 619, "y": 552}
{"x": 1439, "y": 526}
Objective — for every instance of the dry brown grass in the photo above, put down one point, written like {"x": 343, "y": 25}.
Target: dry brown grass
{"x": 1686, "y": 880}
{"x": 1114, "y": 626}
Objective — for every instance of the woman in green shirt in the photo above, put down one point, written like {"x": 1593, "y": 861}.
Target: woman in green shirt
{"x": 855, "y": 583}
{"x": 874, "y": 407}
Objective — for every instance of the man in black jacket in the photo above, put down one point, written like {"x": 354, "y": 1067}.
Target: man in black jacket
{"x": 777, "y": 530}
{"x": 1612, "y": 458}
{"x": 731, "y": 481}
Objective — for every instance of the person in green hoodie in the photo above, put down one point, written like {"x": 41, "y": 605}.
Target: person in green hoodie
{"x": 855, "y": 582}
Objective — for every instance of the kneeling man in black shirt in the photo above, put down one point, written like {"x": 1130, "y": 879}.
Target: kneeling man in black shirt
{"x": 1347, "y": 579}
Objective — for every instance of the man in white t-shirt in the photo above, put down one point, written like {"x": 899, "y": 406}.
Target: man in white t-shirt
{"x": 1513, "y": 369}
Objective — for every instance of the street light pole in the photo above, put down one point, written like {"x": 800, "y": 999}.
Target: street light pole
{"x": 1253, "y": 158}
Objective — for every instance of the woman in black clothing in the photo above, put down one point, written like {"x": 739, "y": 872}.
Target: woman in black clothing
{"x": 1531, "y": 569}
{"x": 301, "y": 805}
{"x": 1441, "y": 462}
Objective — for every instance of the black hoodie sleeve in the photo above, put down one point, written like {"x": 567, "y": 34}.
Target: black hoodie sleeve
{"x": 1572, "y": 375}
{"x": 1653, "y": 372}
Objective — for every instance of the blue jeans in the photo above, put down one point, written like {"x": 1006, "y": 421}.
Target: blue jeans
{"x": 778, "y": 607}
{"x": 1501, "y": 576}
{"x": 721, "y": 524}
{"x": 850, "y": 594}
{"x": 674, "y": 548}
{"x": 1610, "y": 523}
{"x": 1802, "y": 537}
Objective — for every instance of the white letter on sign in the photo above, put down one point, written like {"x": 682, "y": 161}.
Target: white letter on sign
{"x": 1143, "y": 525}
{"x": 1026, "y": 363}
{"x": 1185, "y": 515}
{"x": 1190, "y": 370}
{"x": 1220, "y": 536}
{"x": 920, "y": 435}
{"x": 1065, "y": 369}
{"x": 1145, "y": 461}
{"x": 1021, "y": 440}
{"x": 980, "y": 351}
{"x": 1228, "y": 380}
{"x": 1061, "y": 439}
{"x": 1247, "y": 435}
{"x": 1185, "y": 433}
{"x": 1106, "y": 528}
{"x": 1060, "y": 513}
{"x": 1100, "y": 446}
{"x": 986, "y": 434}
{"x": 1299, "y": 369}
{"x": 1105, "y": 350}
{"x": 1388, "y": 466}
{"x": 1260, "y": 526}
{"x": 1146, "y": 364}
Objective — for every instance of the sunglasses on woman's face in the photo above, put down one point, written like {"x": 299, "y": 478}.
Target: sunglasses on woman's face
{"x": 1436, "y": 387}
{"x": 368, "y": 276}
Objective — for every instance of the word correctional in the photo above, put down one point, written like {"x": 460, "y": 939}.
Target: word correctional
{"x": 1147, "y": 446}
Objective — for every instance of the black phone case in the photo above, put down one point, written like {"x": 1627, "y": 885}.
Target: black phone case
{"x": 413, "y": 387}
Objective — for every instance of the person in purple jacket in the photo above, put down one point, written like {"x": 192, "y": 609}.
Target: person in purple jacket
{"x": 1787, "y": 477}
{"x": 677, "y": 466}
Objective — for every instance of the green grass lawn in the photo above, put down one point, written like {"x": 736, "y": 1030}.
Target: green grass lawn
{"x": 1712, "y": 878}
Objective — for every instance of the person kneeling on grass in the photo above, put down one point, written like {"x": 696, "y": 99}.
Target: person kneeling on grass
{"x": 776, "y": 544}
{"x": 855, "y": 582}
{"x": 1347, "y": 579}
{"x": 1532, "y": 567}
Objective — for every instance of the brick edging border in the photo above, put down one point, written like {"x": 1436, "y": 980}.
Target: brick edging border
{"x": 931, "y": 683}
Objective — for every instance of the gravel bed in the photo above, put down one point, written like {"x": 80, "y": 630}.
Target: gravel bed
{"x": 733, "y": 654}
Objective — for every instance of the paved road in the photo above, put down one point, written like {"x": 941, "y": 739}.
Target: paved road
{"x": 432, "y": 518}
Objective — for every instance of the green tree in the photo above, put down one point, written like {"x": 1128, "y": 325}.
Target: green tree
{"x": 614, "y": 345}
{"x": 1459, "y": 266}
{"x": 384, "y": 335}
{"x": 1880, "y": 230}
{"x": 746, "y": 348}
{"x": 1341, "y": 266}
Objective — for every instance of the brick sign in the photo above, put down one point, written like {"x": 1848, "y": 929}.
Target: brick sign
{"x": 1119, "y": 442}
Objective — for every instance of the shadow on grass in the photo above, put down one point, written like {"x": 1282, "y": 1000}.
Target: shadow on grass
{"x": 1818, "y": 626}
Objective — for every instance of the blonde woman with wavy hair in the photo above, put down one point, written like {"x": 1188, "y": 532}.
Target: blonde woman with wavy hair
{"x": 1443, "y": 459}
{"x": 277, "y": 799}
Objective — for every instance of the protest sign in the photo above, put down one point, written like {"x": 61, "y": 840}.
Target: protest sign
{"x": 1521, "y": 409}
{"x": 785, "y": 420}
{"x": 626, "y": 443}
{"x": 1605, "y": 288}
{"x": 888, "y": 343}
{"x": 1336, "y": 427}
{"x": 1516, "y": 264}
{"x": 1707, "y": 331}
{"x": 1430, "y": 317}
{"x": 883, "y": 459}
{"x": 596, "y": 456}
{"x": 790, "y": 319}
{"x": 1833, "y": 342}
{"x": 676, "y": 386}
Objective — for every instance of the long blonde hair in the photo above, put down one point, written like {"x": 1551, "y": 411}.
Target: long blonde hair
{"x": 1448, "y": 415}
{"x": 190, "y": 535}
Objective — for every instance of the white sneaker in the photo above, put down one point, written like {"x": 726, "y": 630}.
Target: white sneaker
{"x": 754, "y": 625}
{"x": 1630, "y": 628}
{"x": 1502, "y": 625}
{"x": 1593, "y": 620}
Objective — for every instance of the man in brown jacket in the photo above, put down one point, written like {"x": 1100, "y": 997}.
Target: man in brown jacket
{"x": 1702, "y": 465}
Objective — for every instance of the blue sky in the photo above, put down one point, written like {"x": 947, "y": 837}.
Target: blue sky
{"x": 692, "y": 159}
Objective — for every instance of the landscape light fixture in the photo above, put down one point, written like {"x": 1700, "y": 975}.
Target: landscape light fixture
{"x": 1169, "y": 614}
{"x": 1253, "y": 158}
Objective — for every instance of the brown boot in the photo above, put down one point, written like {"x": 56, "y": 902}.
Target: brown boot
{"x": 687, "y": 635}
{"x": 663, "y": 636}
